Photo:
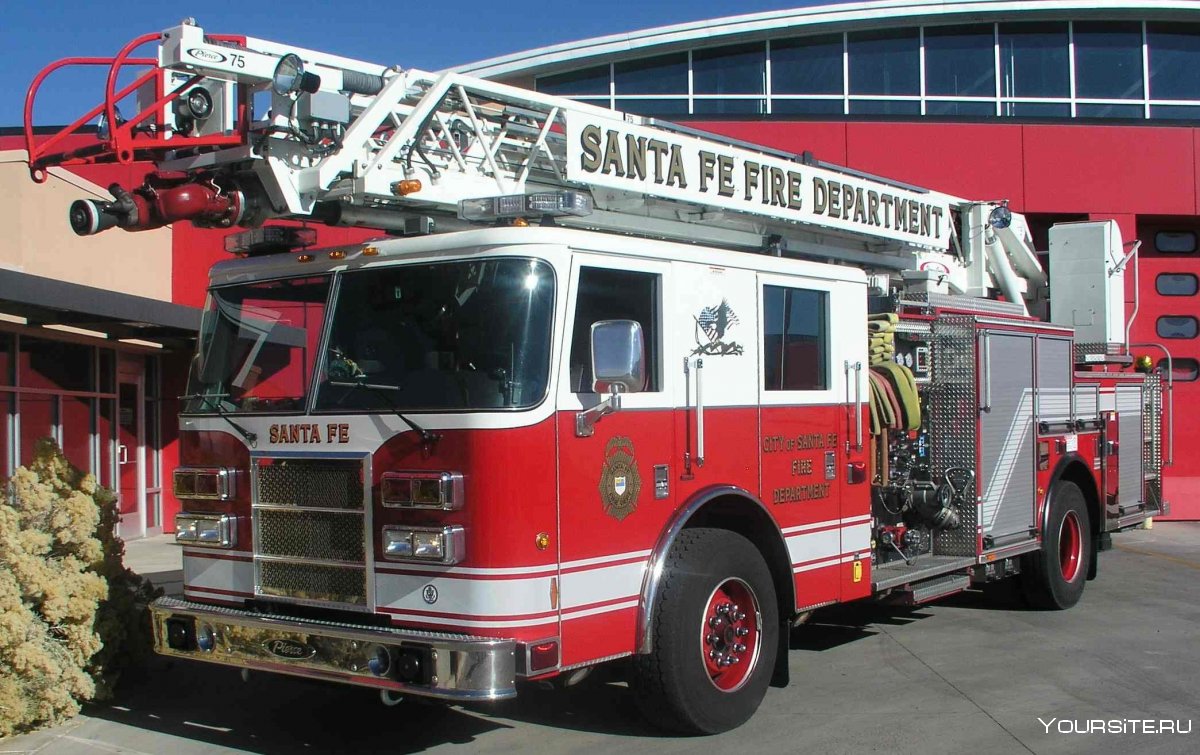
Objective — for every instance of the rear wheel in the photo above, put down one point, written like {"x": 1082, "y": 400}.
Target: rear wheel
{"x": 715, "y": 635}
{"x": 1054, "y": 577}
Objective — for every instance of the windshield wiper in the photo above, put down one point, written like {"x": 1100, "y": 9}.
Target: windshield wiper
{"x": 251, "y": 438}
{"x": 379, "y": 389}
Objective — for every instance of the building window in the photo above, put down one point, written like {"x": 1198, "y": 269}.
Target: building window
{"x": 1175, "y": 242}
{"x": 1034, "y": 60}
{"x": 586, "y": 81}
{"x": 655, "y": 107}
{"x": 614, "y": 295}
{"x": 1108, "y": 60}
{"x": 960, "y": 61}
{"x": 737, "y": 69}
{"x": 1183, "y": 370}
{"x": 795, "y": 339}
{"x": 1175, "y": 284}
{"x": 1174, "y": 61}
{"x": 1176, "y": 326}
{"x": 886, "y": 62}
{"x": 665, "y": 74}
{"x": 808, "y": 65}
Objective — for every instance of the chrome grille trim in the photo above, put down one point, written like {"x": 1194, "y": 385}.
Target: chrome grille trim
{"x": 312, "y": 525}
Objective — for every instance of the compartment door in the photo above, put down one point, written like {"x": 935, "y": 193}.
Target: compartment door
{"x": 1006, "y": 437}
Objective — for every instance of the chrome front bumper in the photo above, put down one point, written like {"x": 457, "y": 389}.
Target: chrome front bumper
{"x": 432, "y": 664}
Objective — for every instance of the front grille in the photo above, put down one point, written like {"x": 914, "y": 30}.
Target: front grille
{"x": 308, "y": 483}
{"x": 322, "y": 535}
{"x": 313, "y": 582}
{"x": 310, "y": 526}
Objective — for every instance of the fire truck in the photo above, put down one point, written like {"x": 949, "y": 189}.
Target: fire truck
{"x": 609, "y": 390}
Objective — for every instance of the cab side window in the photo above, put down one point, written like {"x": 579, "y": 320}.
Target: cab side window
{"x": 614, "y": 295}
{"x": 795, "y": 339}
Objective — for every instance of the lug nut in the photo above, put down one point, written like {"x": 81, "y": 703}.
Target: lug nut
{"x": 739, "y": 648}
{"x": 742, "y": 631}
{"x": 712, "y": 638}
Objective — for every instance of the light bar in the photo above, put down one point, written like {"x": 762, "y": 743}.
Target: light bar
{"x": 437, "y": 545}
{"x": 422, "y": 490}
{"x": 208, "y": 530}
{"x": 205, "y": 483}
{"x": 539, "y": 204}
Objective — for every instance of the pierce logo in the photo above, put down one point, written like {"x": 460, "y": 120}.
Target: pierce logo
{"x": 208, "y": 56}
{"x": 289, "y": 649}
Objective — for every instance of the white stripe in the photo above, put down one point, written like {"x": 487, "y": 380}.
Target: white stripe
{"x": 580, "y": 613}
{"x": 218, "y": 574}
{"x": 819, "y": 565}
{"x": 815, "y": 545}
{"x": 598, "y": 585}
{"x": 524, "y": 571}
{"x": 471, "y": 597}
{"x": 829, "y": 523}
{"x": 856, "y": 538}
{"x": 605, "y": 559}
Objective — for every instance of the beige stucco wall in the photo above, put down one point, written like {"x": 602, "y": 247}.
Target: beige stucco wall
{"x": 35, "y": 237}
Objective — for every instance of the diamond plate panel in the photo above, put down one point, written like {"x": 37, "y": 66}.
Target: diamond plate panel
{"x": 322, "y": 535}
{"x": 1152, "y": 451}
{"x": 313, "y": 582}
{"x": 954, "y": 420}
{"x": 312, "y": 483}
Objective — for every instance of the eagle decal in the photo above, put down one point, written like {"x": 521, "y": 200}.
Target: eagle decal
{"x": 712, "y": 325}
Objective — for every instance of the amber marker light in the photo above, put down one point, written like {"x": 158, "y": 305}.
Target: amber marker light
{"x": 337, "y": 254}
{"x": 370, "y": 251}
{"x": 542, "y": 541}
{"x": 406, "y": 187}
{"x": 305, "y": 258}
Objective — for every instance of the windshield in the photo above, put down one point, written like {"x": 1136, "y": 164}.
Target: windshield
{"x": 258, "y": 346}
{"x": 448, "y": 335}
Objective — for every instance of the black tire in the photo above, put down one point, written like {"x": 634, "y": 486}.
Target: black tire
{"x": 1053, "y": 577}
{"x": 679, "y": 683}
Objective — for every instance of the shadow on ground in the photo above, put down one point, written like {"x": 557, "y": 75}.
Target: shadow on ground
{"x": 275, "y": 714}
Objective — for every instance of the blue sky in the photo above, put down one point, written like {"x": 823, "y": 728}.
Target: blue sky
{"x": 428, "y": 34}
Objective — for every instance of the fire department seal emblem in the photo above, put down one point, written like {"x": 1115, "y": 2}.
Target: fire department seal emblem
{"x": 620, "y": 482}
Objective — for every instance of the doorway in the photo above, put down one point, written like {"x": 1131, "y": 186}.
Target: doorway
{"x": 131, "y": 448}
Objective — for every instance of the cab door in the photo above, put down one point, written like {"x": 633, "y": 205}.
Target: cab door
{"x": 615, "y": 482}
{"x": 813, "y": 365}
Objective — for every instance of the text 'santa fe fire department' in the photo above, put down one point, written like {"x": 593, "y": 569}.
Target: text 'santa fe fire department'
{"x": 609, "y": 390}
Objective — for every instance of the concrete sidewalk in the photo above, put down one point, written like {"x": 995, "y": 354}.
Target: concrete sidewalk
{"x": 158, "y": 559}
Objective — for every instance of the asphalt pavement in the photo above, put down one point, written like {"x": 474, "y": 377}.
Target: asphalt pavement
{"x": 974, "y": 673}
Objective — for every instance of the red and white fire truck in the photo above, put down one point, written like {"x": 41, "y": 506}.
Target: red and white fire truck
{"x": 611, "y": 388}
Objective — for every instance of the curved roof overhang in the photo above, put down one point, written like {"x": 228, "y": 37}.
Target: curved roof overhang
{"x": 813, "y": 20}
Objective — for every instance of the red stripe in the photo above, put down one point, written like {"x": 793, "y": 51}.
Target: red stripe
{"x": 833, "y": 561}
{"x": 218, "y": 556}
{"x": 601, "y": 604}
{"x": 446, "y": 575}
{"x": 474, "y": 617}
{"x": 218, "y": 591}
{"x": 590, "y": 567}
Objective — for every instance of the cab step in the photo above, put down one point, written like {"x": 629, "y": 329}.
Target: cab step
{"x": 932, "y": 589}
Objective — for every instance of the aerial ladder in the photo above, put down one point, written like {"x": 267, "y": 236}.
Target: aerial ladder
{"x": 241, "y": 131}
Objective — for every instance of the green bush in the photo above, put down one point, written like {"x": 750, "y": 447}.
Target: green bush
{"x": 71, "y": 615}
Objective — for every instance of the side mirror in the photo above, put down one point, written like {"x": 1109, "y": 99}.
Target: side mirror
{"x": 618, "y": 367}
{"x": 618, "y": 357}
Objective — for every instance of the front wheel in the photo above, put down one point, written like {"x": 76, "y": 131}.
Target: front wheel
{"x": 1053, "y": 577}
{"x": 715, "y": 635}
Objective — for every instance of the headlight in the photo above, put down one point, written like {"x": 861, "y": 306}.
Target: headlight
{"x": 206, "y": 483}
{"x": 445, "y": 545}
{"x": 422, "y": 490}
{"x": 211, "y": 530}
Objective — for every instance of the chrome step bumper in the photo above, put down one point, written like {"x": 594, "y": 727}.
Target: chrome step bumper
{"x": 431, "y": 664}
